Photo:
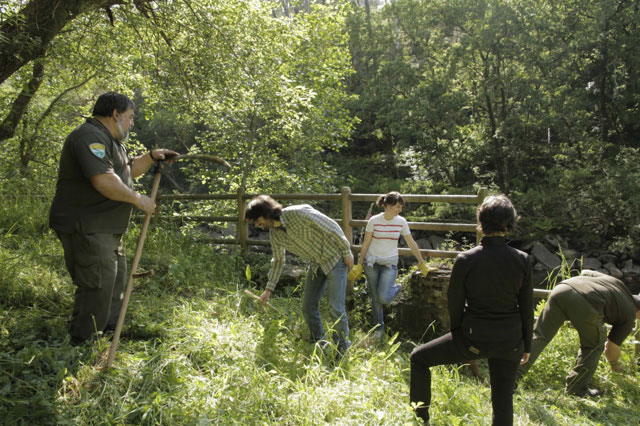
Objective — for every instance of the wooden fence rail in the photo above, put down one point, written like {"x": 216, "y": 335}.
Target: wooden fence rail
{"x": 346, "y": 221}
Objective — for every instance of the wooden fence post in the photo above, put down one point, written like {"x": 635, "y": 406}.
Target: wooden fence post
{"x": 482, "y": 194}
{"x": 243, "y": 229}
{"x": 346, "y": 213}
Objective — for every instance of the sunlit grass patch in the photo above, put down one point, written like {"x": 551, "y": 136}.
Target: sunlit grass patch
{"x": 195, "y": 350}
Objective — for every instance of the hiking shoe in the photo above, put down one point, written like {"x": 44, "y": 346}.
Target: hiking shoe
{"x": 378, "y": 334}
{"x": 589, "y": 393}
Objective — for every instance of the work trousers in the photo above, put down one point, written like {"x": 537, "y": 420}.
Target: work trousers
{"x": 452, "y": 349}
{"x": 565, "y": 303}
{"x": 98, "y": 268}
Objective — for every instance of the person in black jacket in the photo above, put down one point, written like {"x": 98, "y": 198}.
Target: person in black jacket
{"x": 490, "y": 301}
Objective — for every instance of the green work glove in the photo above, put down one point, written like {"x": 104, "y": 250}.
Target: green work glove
{"x": 425, "y": 269}
{"x": 355, "y": 273}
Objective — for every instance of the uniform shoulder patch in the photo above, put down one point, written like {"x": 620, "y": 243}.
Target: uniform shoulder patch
{"x": 97, "y": 149}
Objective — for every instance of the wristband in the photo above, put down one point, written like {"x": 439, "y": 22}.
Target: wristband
{"x": 151, "y": 155}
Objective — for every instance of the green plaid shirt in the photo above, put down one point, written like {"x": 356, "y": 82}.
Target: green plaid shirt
{"x": 310, "y": 235}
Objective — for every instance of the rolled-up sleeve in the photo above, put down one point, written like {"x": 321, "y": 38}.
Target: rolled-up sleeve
{"x": 619, "y": 332}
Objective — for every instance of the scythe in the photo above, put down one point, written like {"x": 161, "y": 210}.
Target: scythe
{"x": 143, "y": 233}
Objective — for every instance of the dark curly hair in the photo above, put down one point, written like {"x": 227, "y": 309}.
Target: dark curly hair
{"x": 496, "y": 214}
{"x": 264, "y": 206}
{"x": 109, "y": 101}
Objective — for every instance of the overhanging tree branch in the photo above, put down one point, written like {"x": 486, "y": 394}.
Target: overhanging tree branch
{"x": 56, "y": 100}
{"x": 26, "y": 35}
{"x": 28, "y": 143}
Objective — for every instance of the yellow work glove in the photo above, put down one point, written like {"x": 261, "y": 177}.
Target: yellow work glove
{"x": 355, "y": 273}
{"x": 425, "y": 269}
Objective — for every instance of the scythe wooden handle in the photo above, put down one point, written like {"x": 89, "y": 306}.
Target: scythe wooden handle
{"x": 134, "y": 267}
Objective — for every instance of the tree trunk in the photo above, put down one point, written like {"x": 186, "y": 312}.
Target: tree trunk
{"x": 21, "y": 103}
{"x": 248, "y": 156}
{"x": 367, "y": 9}
{"x": 306, "y": 6}
{"x": 26, "y": 35}
{"x": 498, "y": 155}
{"x": 285, "y": 7}
{"x": 28, "y": 143}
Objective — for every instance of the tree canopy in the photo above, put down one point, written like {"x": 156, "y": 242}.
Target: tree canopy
{"x": 535, "y": 99}
{"x": 263, "y": 89}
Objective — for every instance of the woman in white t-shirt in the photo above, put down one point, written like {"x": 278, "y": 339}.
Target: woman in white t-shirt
{"x": 379, "y": 255}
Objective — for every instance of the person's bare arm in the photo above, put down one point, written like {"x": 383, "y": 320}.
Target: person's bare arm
{"x": 414, "y": 247}
{"x": 141, "y": 163}
{"x": 112, "y": 187}
{"x": 365, "y": 247}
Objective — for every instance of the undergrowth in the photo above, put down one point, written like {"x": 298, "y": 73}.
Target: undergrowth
{"x": 195, "y": 350}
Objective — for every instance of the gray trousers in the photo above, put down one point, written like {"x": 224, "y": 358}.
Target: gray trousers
{"x": 98, "y": 268}
{"x": 566, "y": 304}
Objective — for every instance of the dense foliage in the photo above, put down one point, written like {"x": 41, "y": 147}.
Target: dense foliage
{"x": 534, "y": 98}
{"x": 224, "y": 77}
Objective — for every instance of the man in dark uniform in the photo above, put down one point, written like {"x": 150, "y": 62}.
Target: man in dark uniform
{"x": 587, "y": 301}
{"x": 91, "y": 210}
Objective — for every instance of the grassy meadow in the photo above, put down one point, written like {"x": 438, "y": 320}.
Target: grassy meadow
{"x": 196, "y": 351}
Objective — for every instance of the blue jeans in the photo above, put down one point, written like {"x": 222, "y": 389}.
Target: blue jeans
{"x": 335, "y": 283}
{"x": 382, "y": 289}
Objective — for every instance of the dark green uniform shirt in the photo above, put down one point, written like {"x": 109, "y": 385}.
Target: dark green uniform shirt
{"x": 612, "y": 299}
{"x": 90, "y": 150}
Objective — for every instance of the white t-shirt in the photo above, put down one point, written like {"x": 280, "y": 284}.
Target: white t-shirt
{"x": 386, "y": 234}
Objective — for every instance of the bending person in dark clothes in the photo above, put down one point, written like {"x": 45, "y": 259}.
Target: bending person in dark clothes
{"x": 587, "y": 301}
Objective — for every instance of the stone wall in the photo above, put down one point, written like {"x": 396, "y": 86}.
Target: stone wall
{"x": 420, "y": 310}
{"x": 547, "y": 256}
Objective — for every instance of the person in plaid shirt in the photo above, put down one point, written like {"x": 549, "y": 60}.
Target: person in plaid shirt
{"x": 316, "y": 238}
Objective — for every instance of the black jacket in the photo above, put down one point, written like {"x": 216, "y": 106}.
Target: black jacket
{"x": 491, "y": 295}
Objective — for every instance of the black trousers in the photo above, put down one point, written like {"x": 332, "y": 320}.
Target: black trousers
{"x": 452, "y": 349}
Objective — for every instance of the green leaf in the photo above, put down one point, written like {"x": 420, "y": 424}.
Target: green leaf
{"x": 247, "y": 273}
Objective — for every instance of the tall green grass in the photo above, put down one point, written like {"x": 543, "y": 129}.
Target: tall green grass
{"x": 196, "y": 351}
